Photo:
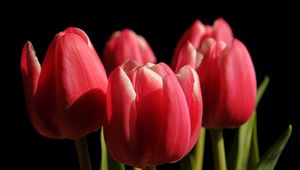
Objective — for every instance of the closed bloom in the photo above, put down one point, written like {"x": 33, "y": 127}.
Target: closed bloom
{"x": 153, "y": 115}
{"x": 66, "y": 96}
{"x": 124, "y": 45}
{"x": 227, "y": 75}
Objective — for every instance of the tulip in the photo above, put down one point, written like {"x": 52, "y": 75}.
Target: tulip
{"x": 126, "y": 45}
{"x": 153, "y": 115}
{"x": 66, "y": 96}
{"x": 226, "y": 73}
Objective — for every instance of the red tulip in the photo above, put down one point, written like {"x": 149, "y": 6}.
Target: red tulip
{"x": 153, "y": 115}
{"x": 66, "y": 97}
{"x": 227, "y": 75}
{"x": 126, "y": 45}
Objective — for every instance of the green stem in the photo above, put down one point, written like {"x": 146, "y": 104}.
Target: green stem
{"x": 150, "y": 168}
{"x": 103, "y": 165}
{"x": 199, "y": 151}
{"x": 218, "y": 149}
{"x": 83, "y": 153}
{"x": 107, "y": 162}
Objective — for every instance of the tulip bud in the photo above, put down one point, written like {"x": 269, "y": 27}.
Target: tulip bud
{"x": 227, "y": 75}
{"x": 126, "y": 45}
{"x": 153, "y": 116}
{"x": 66, "y": 97}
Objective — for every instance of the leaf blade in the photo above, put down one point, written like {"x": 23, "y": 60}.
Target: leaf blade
{"x": 270, "y": 158}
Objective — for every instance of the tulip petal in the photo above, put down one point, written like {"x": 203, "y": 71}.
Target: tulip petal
{"x": 78, "y": 73}
{"x": 177, "y": 120}
{"x": 31, "y": 69}
{"x": 208, "y": 51}
{"x": 188, "y": 55}
{"x": 120, "y": 128}
{"x": 85, "y": 115}
{"x": 85, "y": 37}
{"x": 150, "y": 119}
{"x": 194, "y": 35}
{"x": 209, "y": 74}
{"x": 76, "y": 58}
{"x": 45, "y": 94}
{"x": 190, "y": 84}
{"x": 238, "y": 84}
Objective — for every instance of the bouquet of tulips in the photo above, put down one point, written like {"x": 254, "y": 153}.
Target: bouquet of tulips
{"x": 150, "y": 113}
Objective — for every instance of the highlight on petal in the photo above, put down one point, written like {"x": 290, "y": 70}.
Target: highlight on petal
{"x": 190, "y": 84}
{"x": 188, "y": 55}
{"x": 80, "y": 33}
{"x": 129, "y": 65}
{"x": 30, "y": 68}
{"x": 149, "y": 80}
{"x": 159, "y": 69}
{"x": 222, "y": 31}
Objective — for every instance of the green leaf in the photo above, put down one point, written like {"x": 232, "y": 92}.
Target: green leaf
{"x": 271, "y": 157}
{"x": 254, "y": 150}
{"x": 107, "y": 162}
{"x": 261, "y": 89}
{"x": 233, "y": 152}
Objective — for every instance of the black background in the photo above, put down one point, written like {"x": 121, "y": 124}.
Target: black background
{"x": 270, "y": 34}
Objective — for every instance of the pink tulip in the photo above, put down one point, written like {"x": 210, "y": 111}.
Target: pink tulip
{"x": 227, "y": 75}
{"x": 126, "y": 45}
{"x": 66, "y": 96}
{"x": 153, "y": 115}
